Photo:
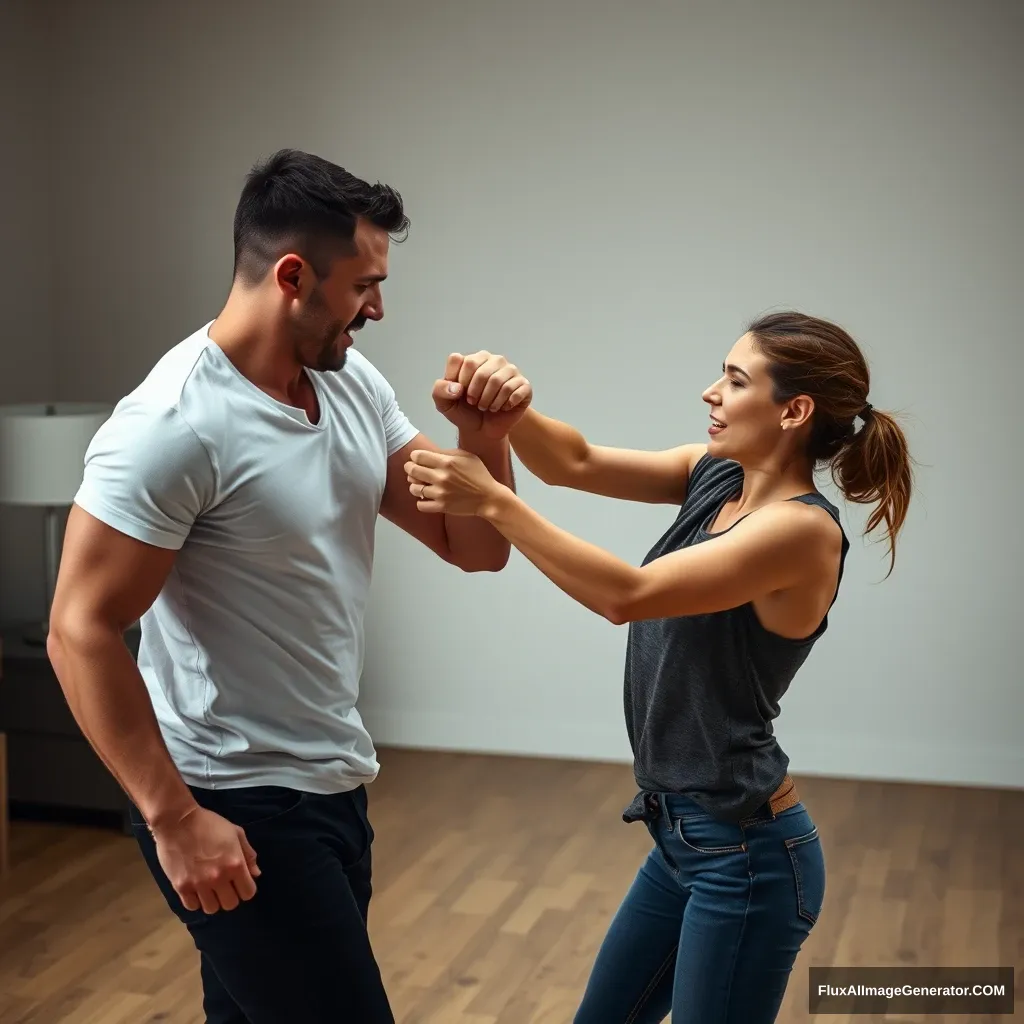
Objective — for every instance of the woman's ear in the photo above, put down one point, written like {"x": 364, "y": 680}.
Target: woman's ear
{"x": 797, "y": 412}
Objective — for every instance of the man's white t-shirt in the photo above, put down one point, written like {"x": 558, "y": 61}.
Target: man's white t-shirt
{"x": 253, "y": 651}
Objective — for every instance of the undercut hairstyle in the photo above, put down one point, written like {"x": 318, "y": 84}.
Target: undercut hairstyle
{"x": 298, "y": 202}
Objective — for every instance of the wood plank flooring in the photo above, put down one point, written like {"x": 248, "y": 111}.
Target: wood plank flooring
{"x": 495, "y": 880}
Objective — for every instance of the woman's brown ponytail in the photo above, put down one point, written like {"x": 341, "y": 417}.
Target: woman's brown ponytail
{"x": 870, "y": 465}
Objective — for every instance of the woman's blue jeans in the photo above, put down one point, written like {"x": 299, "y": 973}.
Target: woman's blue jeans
{"x": 713, "y": 922}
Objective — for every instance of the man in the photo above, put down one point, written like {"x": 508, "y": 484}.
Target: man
{"x": 230, "y": 503}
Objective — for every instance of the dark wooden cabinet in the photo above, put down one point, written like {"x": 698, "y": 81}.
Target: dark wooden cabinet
{"x": 51, "y": 769}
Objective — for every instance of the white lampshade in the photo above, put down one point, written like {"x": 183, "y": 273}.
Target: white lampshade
{"x": 42, "y": 450}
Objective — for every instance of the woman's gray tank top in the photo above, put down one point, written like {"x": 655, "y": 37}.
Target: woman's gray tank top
{"x": 701, "y": 691}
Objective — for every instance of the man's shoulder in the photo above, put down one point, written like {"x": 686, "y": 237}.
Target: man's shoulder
{"x": 161, "y": 406}
{"x": 365, "y": 386}
{"x": 172, "y": 375}
{"x": 360, "y": 380}
{"x": 358, "y": 370}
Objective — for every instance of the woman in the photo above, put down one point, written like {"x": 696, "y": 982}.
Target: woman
{"x": 722, "y": 613}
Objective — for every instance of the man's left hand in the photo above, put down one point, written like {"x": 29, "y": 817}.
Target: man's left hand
{"x": 482, "y": 394}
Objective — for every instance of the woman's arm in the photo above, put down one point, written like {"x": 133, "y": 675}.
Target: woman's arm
{"x": 778, "y": 547}
{"x": 559, "y": 455}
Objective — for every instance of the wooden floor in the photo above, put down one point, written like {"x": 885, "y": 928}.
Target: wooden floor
{"x": 495, "y": 880}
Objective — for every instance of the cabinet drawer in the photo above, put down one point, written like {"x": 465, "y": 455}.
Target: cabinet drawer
{"x": 31, "y": 699}
{"x": 60, "y": 772}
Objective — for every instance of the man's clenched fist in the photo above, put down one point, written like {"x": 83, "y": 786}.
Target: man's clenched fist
{"x": 482, "y": 393}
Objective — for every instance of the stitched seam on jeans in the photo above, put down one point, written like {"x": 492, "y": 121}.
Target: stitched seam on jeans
{"x": 801, "y": 907}
{"x": 678, "y": 831}
{"x": 799, "y": 883}
{"x": 647, "y": 992}
{"x": 736, "y": 951}
{"x": 791, "y": 845}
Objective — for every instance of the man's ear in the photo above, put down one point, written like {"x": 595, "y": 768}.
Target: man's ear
{"x": 288, "y": 273}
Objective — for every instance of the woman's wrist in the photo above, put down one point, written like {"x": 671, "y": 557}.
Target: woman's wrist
{"x": 498, "y": 505}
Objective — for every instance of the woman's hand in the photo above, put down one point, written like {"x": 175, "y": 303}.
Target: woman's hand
{"x": 455, "y": 482}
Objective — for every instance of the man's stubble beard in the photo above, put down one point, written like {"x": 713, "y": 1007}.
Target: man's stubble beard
{"x": 320, "y": 334}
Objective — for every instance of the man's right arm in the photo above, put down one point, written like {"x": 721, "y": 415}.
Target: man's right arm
{"x": 147, "y": 479}
{"x": 107, "y": 581}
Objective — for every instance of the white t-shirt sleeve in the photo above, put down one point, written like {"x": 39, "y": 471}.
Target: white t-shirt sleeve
{"x": 147, "y": 475}
{"x": 398, "y": 430}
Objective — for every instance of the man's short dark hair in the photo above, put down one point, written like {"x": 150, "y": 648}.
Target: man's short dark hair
{"x": 304, "y": 203}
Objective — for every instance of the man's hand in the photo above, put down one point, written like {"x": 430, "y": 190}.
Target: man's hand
{"x": 208, "y": 860}
{"x": 482, "y": 394}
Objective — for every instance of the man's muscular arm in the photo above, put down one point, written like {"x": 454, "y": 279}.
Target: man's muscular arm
{"x": 107, "y": 581}
{"x": 484, "y": 396}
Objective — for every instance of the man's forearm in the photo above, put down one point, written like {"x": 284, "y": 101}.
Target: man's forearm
{"x": 473, "y": 542}
{"x": 108, "y": 699}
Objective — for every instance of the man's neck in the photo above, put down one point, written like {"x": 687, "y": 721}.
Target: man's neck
{"x": 257, "y": 351}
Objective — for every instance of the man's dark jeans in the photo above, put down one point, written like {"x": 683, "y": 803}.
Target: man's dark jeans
{"x": 299, "y": 949}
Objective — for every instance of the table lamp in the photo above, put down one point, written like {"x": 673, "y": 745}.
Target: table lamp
{"x": 42, "y": 457}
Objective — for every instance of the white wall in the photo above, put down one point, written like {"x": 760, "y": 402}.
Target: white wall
{"x": 606, "y": 193}
{"x": 26, "y": 276}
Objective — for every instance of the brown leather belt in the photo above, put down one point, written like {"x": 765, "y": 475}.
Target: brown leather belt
{"x": 784, "y": 797}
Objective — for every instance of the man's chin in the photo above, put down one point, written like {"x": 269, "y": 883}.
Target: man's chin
{"x": 334, "y": 358}
{"x": 333, "y": 362}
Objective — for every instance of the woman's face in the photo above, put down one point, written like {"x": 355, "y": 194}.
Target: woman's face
{"x": 746, "y": 421}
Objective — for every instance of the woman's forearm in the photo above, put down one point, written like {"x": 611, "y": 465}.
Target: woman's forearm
{"x": 592, "y": 576}
{"x": 552, "y": 451}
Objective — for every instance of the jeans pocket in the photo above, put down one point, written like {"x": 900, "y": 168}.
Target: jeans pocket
{"x": 808, "y": 861}
{"x": 703, "y": 834}
{"x": 252, "y": 806}
{"x": 361, "y": 806}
